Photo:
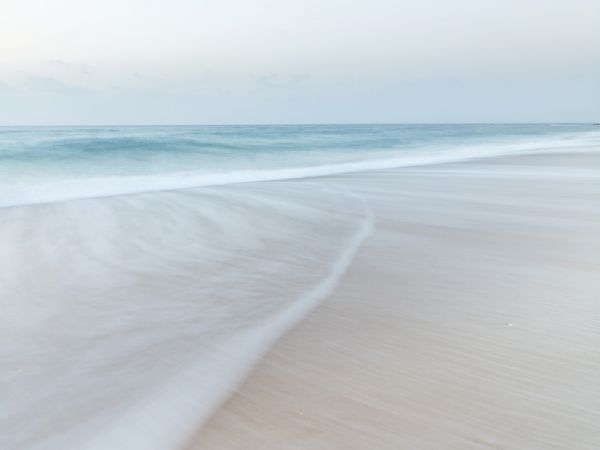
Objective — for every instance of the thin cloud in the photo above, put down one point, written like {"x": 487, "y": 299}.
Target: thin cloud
{"x": 52, "y": 85}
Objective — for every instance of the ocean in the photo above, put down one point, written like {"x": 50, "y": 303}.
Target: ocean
{"x": 145, "y": 270}
{"x": 48, "y": 164}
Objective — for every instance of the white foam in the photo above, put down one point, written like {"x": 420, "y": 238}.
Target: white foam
{"x": 195, "y": 393}
{"x": 128, "y": 320}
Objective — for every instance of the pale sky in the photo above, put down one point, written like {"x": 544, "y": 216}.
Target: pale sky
{"x": 302, "y": 61}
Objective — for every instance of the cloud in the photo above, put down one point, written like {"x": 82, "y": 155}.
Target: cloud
{"x": 6, "y": 89}
{"x": 70, "y": 67}
{"x": 52, "y": 85}
{"x": 276, "y": 81}
{"x": 57, "y": 62}
{"x": 299, "y": 78}
{"x": 267, "y": 81}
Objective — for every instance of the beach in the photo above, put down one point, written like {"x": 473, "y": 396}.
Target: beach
{"x": 469, "y": 319}
{"x": 156, "y": 297}
{"x": 299, "y": 225}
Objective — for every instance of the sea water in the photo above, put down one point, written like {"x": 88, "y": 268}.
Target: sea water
{"x": 46, "y": 164}
{"x": 144, "y": 270}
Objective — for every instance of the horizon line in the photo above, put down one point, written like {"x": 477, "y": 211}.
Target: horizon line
{"x": 224, "y": 124}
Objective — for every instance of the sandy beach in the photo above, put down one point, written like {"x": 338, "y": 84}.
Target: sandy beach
{"x": 299, "y": 225}
{"x": 468, "y": 320}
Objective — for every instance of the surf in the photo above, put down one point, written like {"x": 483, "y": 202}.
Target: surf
{"x": 73, "y": 164}
{"x": 139, "y": 315}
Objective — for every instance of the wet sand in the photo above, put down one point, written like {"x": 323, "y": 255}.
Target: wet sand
{"x": 468, "y": 320}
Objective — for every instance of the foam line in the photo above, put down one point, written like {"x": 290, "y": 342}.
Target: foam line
{"x": 198, "y": 391}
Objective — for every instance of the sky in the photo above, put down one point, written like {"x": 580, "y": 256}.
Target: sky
{"x": 71, "y": 62}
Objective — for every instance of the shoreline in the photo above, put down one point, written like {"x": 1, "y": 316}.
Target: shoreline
{"x": 465, "y": 321}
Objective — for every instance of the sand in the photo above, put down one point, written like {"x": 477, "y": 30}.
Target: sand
{"x": 468, "y": 320}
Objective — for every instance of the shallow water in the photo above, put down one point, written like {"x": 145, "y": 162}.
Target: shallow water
{"x": 126, "y": 319}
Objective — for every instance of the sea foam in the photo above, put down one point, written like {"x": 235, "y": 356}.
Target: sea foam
{"x": 131, "y": 318}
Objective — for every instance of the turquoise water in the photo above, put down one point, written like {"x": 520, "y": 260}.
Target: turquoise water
{"x": 44, "y": 164}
